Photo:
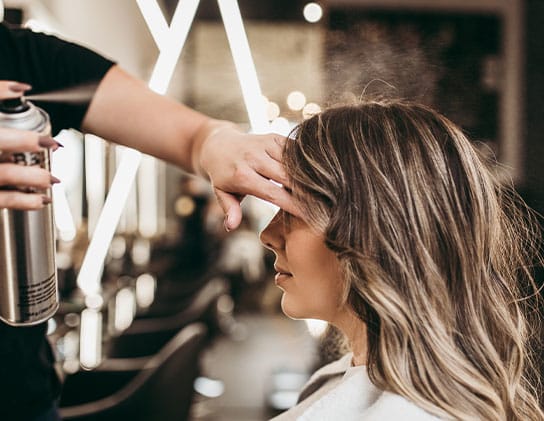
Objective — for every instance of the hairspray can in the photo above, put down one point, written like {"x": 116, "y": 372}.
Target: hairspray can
{"x": 28, "y": 274}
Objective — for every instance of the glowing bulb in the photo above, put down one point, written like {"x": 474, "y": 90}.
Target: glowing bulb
{"x": 296, "y": 100}
{"x": 184, "y": 206}
{"x": 94, "y": 302}
{"x": 51, "y": 326}
{"x": 310, "y": 109}
{"x": 141, "y": 251}
{"x": 281, "y": 126}
{"x": 272, "y": 110}
{"x": 312, "y": 12}
{"x": 145, "y": 290}
{"x": 125, "y": 308}
{"x": 90, "y": 338}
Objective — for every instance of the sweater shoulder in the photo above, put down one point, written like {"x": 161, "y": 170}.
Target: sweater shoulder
{"x": 390, "y": 406}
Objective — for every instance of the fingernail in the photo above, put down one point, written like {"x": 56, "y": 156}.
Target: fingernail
{"x": 56, "y": 146}
{"x": 47, "y": 142}
{"x": 225, "y": 224}
{"x": 54, "y": 180}
{"x": 46, "y": 200}
{"x": 18, "y": 87}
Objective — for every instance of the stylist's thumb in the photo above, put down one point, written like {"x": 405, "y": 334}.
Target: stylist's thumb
{"x": 230, "y": 204}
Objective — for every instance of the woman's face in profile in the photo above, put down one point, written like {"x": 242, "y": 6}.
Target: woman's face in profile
{"x": 308, "y": 272}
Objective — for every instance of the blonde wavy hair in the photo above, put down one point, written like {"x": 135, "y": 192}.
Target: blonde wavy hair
{"x": 437, "y": 255}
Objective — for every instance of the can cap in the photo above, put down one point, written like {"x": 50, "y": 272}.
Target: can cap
{"x": 14, "y": 105}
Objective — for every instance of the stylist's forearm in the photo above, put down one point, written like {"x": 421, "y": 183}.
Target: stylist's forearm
{"x": 125, "y": 111}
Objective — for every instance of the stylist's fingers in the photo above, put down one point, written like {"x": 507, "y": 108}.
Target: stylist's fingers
{"x": 262, "y": 188}
{"x": 12, "y": 89}
{"x": 15, "y": 140}
{"x": 27, "y": 176}
{"x": 271, "y": 192}
{"x": 275, "y": 145}
{"x": 230, "y": 204}
{"x": 272, "y": 170}
{"x": 269, "y": 164}
{"x": 14, "y": 199}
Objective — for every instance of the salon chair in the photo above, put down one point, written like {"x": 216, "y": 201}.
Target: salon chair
{"x": 162, "y": 389}
{"x": 145, "y": 337}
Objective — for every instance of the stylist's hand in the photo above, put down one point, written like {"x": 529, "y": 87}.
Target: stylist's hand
{"x": 239, "y": 164}
{"x": 11, "y": 174}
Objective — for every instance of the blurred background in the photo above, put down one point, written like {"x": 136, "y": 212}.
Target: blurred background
{"x": 181, "y": 309}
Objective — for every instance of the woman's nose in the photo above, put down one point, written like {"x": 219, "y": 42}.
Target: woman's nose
{"x": 272, "y": 236}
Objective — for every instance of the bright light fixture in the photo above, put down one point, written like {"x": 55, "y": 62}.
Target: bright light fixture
{"x": 245, "y": 67}
{"x": 125, "y": 308}
{"x": 296, "y": 100}
{"x": 64, "y": 220}
{"x": 272, "y": 110}
{"x": 91, "y": 268}
{"x": 145, "y": 290}
{"x": 90, "y": 338}
{"x": 312, "y": 12}
{"x": 170, "y": 41}
{"x": 281, "y": 126}
{"x": 310, "y": 109}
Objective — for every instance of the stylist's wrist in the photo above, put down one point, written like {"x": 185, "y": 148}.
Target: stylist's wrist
{"x": 207, "y": 145}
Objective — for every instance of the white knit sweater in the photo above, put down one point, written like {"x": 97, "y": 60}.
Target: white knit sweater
{"x": 345, "y": 393}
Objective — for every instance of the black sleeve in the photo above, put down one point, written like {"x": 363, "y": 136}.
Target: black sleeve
{"x": 29, "y": 383}
{"x": 49, "y": 63}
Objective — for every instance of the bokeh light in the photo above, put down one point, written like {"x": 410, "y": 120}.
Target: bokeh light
{"x": 310, "y": 109}
{"x": 312, "y": 12}
{"x": 296, "y": 100}
{"x": 272, "y": 110}
{"x": 281, "y": 126}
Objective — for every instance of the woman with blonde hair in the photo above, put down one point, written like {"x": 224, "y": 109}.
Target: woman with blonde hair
{"x": 411, "y": 247}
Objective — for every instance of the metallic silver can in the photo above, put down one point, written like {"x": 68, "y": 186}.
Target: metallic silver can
{"x": 28, "y": 273}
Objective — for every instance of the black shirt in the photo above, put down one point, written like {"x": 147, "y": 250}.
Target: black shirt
{"x": 48, "y": 63}
{"x": 28, "y": 383}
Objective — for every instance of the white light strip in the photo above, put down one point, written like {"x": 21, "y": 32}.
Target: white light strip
{"x": 90, "y": 338}
{"x": 145, "y": 290}
{"x": 147, "y": 197}
{"x": 64, "y": 220}
{"x": 95, "y": 179}
{"x": 125, "y": 308}
{"x": 170, "y": 42}
{"x": 170, "y": 47}
{"x": 91, "y": 268}
{"x": 128, "y": 221}
{"x": 155, "y": 21}
{"x": 245, "y": 67}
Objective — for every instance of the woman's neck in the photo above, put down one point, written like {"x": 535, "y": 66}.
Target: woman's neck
{"x": 355, "y": 331}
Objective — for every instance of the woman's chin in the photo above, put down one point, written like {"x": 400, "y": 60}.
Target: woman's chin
{"x": 292, "y": 311}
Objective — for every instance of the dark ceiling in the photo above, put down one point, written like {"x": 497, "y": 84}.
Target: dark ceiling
{"x": 270, "y": 10}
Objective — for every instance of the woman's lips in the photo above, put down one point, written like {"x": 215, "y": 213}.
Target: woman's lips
{"x": 281, "y": 277}
{"x": 281, "y": 274}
